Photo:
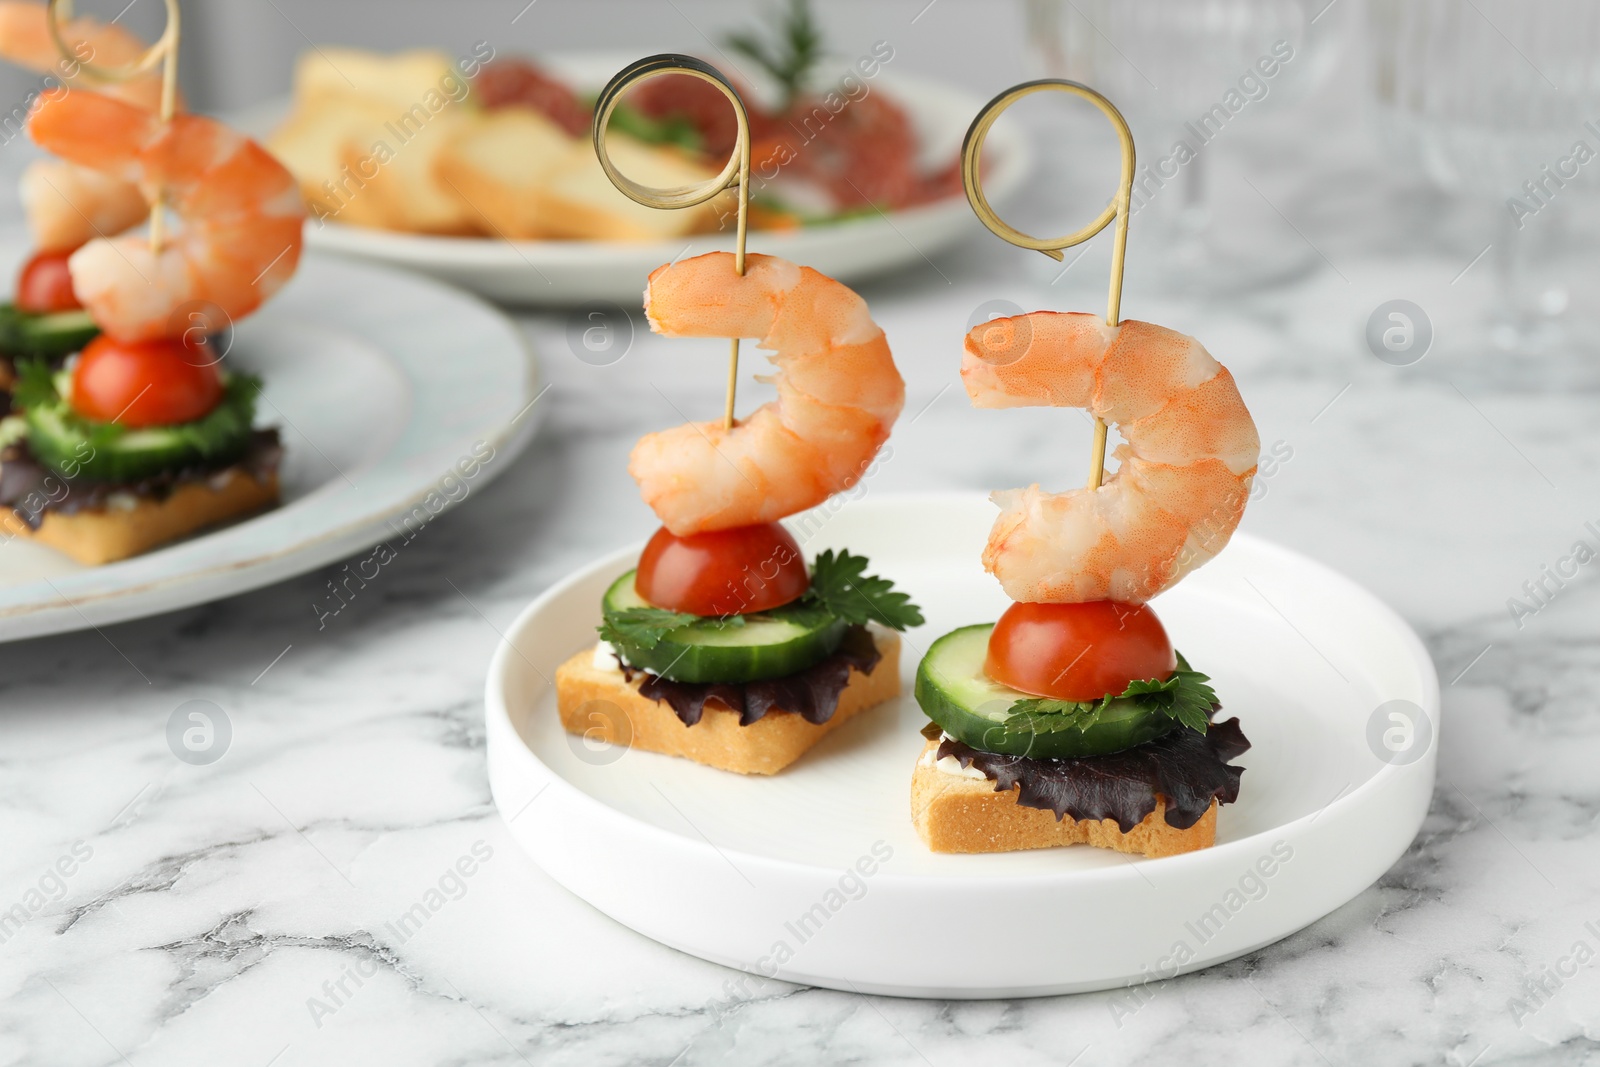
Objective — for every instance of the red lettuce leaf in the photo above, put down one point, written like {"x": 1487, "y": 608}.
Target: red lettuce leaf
{"x": 1187, "y": 768}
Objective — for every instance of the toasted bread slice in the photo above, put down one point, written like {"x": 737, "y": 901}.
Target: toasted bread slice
{"x": 365, "y": 132}
{"x": 394, "y": 82}
{"x": 498, "y": 166}
{"x": 313, "y": 144}
{"x": 399, "y": 177}
{"x": 578, "y": 201}
{"x": 603, "y": 705}
{"x": 955, "y": 813}
{"x": 106, "y": 534}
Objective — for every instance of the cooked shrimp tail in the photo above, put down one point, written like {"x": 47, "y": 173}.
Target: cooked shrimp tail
{"x": 68, "y": 205}
{"x": 1184, "y": 470}
{"x": 838, "y": 394}
{"x": 240, "y": 208}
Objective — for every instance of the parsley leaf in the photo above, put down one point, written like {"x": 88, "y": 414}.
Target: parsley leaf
{"x": 642, "y": 626}
{"x": 35, "y": 385}
{"x": 1192, "y": 699}
{"x": 791, "y": 57}
{"x": 1052, "y": 716}
{"x": 1186, "y": 697}
{"x": 841, "y": 586}
{"x": 673, "y": 129}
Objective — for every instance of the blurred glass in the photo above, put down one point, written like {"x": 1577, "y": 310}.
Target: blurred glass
{"x": 1492, "y": 100}
{"x": 1183, "y": 72}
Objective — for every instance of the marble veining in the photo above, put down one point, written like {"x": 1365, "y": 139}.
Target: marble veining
{"x": 264, "y": 909}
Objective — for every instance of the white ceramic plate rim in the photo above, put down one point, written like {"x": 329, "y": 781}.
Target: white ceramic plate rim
{"x": 438, "y": 250}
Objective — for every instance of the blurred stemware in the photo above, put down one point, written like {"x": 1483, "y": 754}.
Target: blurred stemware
{"x": 1490, "y": 100}
{"x": 1168, "y": 65}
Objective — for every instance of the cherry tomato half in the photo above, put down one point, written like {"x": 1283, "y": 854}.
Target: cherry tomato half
{"x": 1078, "y": 651}
{"x": 722, "y": 572}
{"x": 146, "y": 383}
{"x": 45, "y": 284}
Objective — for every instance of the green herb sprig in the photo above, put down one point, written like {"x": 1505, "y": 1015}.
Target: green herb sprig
{"x": 794, "y": 51}
{"x": 841, "y": 587}
{"x": 1186, "y": 697}
{"x": 35, "y": 385}
{"x": 669, "y": 129}
{"x": 642, "y": 626}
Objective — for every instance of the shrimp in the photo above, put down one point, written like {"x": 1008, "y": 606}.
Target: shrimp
{"x": 241, "y": 210}
{"x": 1184, "y": 470}
{"x": 838, "y": 394}
{"x": 25, "y": 40}
{"x": 67, "y": 205}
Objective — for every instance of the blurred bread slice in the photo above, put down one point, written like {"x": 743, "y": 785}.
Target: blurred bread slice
{"x": 108, "y": 533}
{"x": 391, "y": 141}
{"x": 399, "y": 177}
{"x": 395, "y": 82}
{"x": 364, "y": 134}
{"x": 579, "y": 201}
{"x": 313, "y": 143}
{"x": 497, "y": 166}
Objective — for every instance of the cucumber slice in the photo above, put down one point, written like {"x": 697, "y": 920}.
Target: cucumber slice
{"x": 769, "y": 644}
{"x": 103, "y": 452}
{"x": 955, "y": 693}
{"x": 49, "y": 336}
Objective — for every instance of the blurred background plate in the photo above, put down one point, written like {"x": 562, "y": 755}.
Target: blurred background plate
{"x": 570, "y": 272}
{"x": 381, "y": 383}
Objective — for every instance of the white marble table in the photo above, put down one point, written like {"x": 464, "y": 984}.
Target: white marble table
{"x": 243, "y": 912}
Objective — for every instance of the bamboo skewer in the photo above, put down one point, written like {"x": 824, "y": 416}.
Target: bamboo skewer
{"x": 971, "y": 181}
{"x": 738, "y": 252}
{"x": 164, "y": 51}
{"x": 169, "y": 105}
{"x": 735, "y": 173}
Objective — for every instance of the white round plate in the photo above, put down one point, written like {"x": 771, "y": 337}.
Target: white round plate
{"x": 816, "y": 875}
{"x": 568, "y": 272}
{"x": 380, "y": 383}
